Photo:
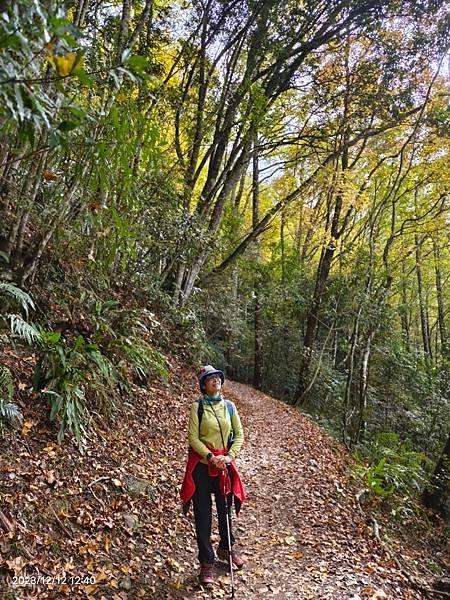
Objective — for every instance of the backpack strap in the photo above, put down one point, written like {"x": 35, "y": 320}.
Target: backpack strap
{"x": 200, "y": 412}
{"x": 230, "y": 407}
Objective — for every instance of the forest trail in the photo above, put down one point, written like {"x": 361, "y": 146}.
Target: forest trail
{"x": 305, "y": 535}
{"x": 107, "y": 524}
{"x": 300, "y": 530}
{"x": 243, "y": 183}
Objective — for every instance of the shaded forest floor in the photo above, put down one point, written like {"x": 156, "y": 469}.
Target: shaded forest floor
{"x": 108, "y": 524}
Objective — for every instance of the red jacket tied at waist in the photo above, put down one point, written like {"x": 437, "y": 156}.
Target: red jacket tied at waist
{"x": 226, "y": 486}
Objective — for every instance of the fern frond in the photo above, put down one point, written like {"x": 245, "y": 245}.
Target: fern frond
{"x": 24, "y": 330}
{"x": 19, "y": 296}
{"x": 6, "y": 384}
{"x": 12, "y": 414}
{"x": 9, "y": 412}
{"x": 105, "y": 367}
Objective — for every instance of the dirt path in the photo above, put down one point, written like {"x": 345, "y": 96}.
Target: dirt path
{"x": 113, "y": 514}
{"x": 300, "y": 530}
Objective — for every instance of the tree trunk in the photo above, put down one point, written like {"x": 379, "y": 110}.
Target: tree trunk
{"x": 30, "y": 201}
{"x": 232, "y": 346}
{"x": 239, "y": 192}
{"x": 40, "y": 248}
{"x": 178, "y": 283}
{"x": 232, "y": 179}
{"x": 404, "y": 316}
{"x": 199, "y": 125}
{"x": 283, "y": 251}
{"x": 312, "y": 321}
{"x": 58, "y": 219}
{"x": 124, "y": 28}
{"x": 363, "y": 386}
{"x": 424, "y": 325}
{"x": 335, "y": 230}
{"x": 80, "y": 13}
{"x": 257, "y": 356}
{"x": 348, "y": 408}
{"x": 440, "y": 301}
{"x": 32, "y": 178}
{"x": 437, "y": 496}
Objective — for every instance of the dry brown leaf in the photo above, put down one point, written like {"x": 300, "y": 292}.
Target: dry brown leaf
{"x": 379, "y": 595}
{"x": 49, "y": 175}
{"x": 16, "y": 565}
{"x": 26, "y": 427}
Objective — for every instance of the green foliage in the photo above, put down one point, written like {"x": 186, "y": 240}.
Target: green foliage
{"x": 9, "y": 412}
{"x": 126, "y": 337}
{"x": 393, "y": 469}
{"x": 13, "y": 298}
{"x": 143, "y": 359}
{"x": 6, "y": 384}
{"x": 23, "y": 330}
{"x": 409, "y": 394}
{"x": 66, "y": 374}
{"x": 190, "y": 339}
{"x": 10, "y": 295}
{"x": 77, "y": 377}
{"x": 33, "y": 38}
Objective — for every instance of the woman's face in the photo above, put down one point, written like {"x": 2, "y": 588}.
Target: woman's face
{"x": 213, "y": 385}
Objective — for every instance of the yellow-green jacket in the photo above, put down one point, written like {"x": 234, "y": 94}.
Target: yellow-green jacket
{"x": 209, "y": 435}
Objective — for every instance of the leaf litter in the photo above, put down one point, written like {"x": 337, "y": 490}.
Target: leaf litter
{"x": 108, "y": 524}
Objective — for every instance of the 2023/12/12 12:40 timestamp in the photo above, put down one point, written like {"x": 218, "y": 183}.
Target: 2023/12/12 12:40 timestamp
{"x": 23, "y": 580}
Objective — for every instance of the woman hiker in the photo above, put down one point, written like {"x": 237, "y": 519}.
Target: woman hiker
{"x": 215, "y": 437}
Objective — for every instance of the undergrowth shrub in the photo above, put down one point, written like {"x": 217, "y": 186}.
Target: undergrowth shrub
{"x": 13, "y": 298}
{"x": 12, "y": 326}
{"x": 65, "y": 373}
{"x": 189, "y": 340}
{"x": 140, "y": 357}
{"x": 9, "y": 412}
{"x": 80, "y": 375}
{"x": 126, "y": 336}
{"x": 392, "y": 471}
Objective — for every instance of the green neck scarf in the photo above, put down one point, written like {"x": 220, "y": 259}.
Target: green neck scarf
{"x": 213, "y": 399}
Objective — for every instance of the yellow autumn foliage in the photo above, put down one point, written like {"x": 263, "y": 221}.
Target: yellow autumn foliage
{"x": 66, "y": 64}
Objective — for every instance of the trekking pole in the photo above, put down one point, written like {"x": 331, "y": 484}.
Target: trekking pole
{"x": 228, "y": 503}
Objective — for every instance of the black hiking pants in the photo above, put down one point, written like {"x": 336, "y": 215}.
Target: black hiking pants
{"x": 202, "y": 502}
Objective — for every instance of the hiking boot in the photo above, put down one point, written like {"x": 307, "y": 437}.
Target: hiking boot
{"x": 223, "y": 554}
{"x": 206, "y": 575}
